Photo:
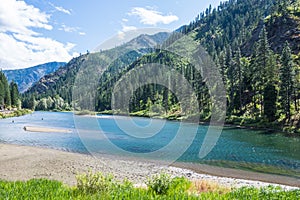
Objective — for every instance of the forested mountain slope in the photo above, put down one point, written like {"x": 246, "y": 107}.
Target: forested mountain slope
{"x": 25, "y": 78}
{"x": 255, "y": 45}
{"x": 59, "y": 84}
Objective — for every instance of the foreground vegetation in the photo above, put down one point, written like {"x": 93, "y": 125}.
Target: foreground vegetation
{"x": 99, "y": 186}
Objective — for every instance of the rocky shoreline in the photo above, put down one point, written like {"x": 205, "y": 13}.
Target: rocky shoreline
{"x": 24, "y": 162}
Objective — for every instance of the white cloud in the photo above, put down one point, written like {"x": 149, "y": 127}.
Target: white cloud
{"x": 17, "y": 16}
{"x": 25, "y": 51}
{"x": 128, "y": 28}
{"x": 125, "y": 28}
{"x": 152, "y": 17}
{"x": 61, "y": 9}
{"x": 21, "y": 44}
{"x": 68, "y": 29}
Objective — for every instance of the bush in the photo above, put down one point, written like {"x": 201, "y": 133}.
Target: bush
{"x": 179, "y": 185}
{"x": 93, "y": 183}
{"x": 163, "y": 184}
{"x": 160, "y": 184}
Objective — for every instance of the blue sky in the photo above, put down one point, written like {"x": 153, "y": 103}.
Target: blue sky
{"x": 37, "y": 31}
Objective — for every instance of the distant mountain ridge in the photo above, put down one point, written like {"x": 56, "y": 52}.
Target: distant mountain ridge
{"x": 142, "y": 41}
{"x": 61, "y": 81}
{"x": 25, "y": 78}
{"x": 148, "y": 41}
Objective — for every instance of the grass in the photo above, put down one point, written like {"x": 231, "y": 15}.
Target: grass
{"x": 99, "y": 186}
{"x": 204, "y": 186}
{"x": 84, "y": 112}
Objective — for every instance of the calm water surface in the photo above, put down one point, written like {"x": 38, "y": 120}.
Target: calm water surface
{"x": 237, "y": 148}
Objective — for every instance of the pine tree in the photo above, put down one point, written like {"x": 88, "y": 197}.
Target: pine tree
{"x": 286, "y": 81}
{"x": 239, "y": 76}
{"x": 230, "y": 75}
{"x": 5, "y": 92}
{"x": 14, "y": 93}
{"x": 1, "y": 95}
{"x": 264, "y": 76}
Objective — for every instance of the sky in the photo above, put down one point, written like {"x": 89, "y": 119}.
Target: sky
{"x": 34, "y": 32}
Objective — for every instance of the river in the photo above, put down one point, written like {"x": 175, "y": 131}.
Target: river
{"x": 235, "y": 148}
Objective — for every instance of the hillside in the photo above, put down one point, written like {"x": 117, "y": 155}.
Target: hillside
{"x": 25, "y": 78}
{"x": 255, "y": 44}
{"x": 60, "y": 82}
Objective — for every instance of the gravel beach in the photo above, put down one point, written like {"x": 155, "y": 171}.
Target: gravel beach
{"x": 24, "y": 162}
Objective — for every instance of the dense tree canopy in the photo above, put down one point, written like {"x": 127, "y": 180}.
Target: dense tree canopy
{"x": 247, "y": 41}
{"x": 9, "y": 94}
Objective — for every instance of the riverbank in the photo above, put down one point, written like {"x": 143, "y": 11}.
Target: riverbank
{"x": 24, "y": 163}
{"x": 14, "y": 113}
{"x": 235, "y": 122}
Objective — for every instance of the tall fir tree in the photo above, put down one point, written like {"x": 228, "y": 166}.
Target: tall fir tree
{"x": 286, "y": 81}
{"x": 5, "y": 98}
{"x": 264, "y": 76}
{"x": 14, "y": 93}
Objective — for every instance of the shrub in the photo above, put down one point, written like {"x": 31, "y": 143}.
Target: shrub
{"x": 160, "y": 184}
{"x": 179, "y": 185}
{"x": 163, "y": 184}
{"x": 93, "y": 183}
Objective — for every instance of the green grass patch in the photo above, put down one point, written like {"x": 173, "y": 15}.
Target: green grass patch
{"x": 99, "y": 186}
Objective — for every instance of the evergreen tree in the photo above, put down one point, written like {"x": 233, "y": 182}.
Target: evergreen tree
{"x": 238, "y": 77}
{"x": 5, "y": 98}
{"x": 264, "y": 77}
{"x": 1, "y": 95}
{"x": 270, "y": 99}
{"x": 286, "y": 81}
{"x": 14, "y": 92}
{"x": 32, "y": 103}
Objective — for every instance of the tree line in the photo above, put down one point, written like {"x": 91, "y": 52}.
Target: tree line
{"x": 261, "y": 78}
{"x": 9, "y": 94}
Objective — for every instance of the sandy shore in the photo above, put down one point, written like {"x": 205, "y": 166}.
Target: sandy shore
{"x": 45, "y": 129}
{"x": 23, "y": 163}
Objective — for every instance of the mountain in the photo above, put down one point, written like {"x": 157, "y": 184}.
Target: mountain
{"x": 142, "y": 41}
{"x": 255, "y": 45}
{"x": 61, "y": 81}
{"x": 25, "y": 78}
{"x": 145, "y": 41}
{"x": 280, "y": 29}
